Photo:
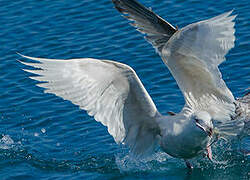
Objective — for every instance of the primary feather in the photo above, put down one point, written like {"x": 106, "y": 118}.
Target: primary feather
{"x": 157, "y": 30}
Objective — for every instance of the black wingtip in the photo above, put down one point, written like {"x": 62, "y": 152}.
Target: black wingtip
{"x": 146, "y": 22}
{"x": 117, "y": 6}
{"x": 121, "y": 10}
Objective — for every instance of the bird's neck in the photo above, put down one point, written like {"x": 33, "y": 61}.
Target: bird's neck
{"x": 170, "y": 124}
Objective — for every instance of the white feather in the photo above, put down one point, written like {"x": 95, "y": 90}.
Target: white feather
{"x": 193, "y": 55}
{"x": 107, "y": 90}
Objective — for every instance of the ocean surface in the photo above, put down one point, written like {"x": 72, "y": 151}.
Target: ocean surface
{"x": 45, "y": 137}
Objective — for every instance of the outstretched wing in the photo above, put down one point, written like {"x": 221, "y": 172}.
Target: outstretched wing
{"x": 157, "y": 30}
{"x": 193, "y": 55}
{"x": 107, "y": 90}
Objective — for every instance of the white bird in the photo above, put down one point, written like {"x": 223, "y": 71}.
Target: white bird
{"x": 114, "y": 95}
{"x": 193, "y": 54}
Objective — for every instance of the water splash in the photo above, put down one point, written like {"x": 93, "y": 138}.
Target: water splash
{"x": 157, "y": 162}
{"x": 6, "y": 142}
{"x": 43, "y": 130}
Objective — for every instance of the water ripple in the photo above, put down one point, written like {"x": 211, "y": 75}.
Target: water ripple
{"x": 45, "y": 137}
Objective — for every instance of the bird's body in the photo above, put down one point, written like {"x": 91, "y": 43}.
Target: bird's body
{"x": 113, "y": 94}
{"x": 181, "y": 138}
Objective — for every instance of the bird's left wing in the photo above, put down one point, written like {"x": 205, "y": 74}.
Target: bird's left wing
{"x": 193, "y": 55}
{"x": 157, "y": 30}
{"x": 109, "y": 91}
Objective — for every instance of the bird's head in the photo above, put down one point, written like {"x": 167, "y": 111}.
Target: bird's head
{"x": 203, "y": 122}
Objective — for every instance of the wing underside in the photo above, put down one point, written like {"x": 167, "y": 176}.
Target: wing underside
{"x": 109, "y": 91}
{"x": 193, "y": 55}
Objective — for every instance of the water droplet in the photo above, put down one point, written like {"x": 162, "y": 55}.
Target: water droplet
{"x": 36, "y": 134}
{"x": 6, "y": 142}
{"x": 58, "y": 144}
{"x": 43, "y": 130}
{"x": 29, "y": 157}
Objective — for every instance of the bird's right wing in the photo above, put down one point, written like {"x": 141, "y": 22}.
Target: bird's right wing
{"x": 107, "y": 90}
{"x": 157, "y": 30}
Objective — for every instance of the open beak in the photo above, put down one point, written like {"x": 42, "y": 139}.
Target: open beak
{"x": 207, "y": 129}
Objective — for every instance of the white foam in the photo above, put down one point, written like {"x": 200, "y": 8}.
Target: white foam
{"x": 6, "y": 142}
{"x": 43, "y": 130}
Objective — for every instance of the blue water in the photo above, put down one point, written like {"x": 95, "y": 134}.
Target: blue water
{"x": 45, "y": 137}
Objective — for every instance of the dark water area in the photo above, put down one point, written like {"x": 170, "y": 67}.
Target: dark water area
{"x": 44, "y": 137}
